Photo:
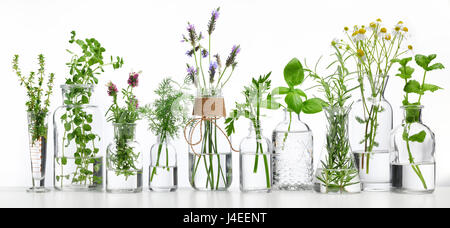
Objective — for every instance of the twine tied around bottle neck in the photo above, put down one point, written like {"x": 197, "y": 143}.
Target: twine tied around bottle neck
{"x": 206, "y": 109}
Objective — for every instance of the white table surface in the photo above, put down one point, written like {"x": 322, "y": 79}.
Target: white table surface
{"x": 18, "y": 197}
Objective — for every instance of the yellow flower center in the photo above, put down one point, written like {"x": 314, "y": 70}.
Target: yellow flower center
{"x": 360, "y": 53}
{"x": 378, "y": 20}
{"x": 345, "y": 28}
{"x": 383, "y": 30}
{"x": 373, "y": 25}
{"x": 362, "y": 31}
{"x": 388, "y": 37}
{"x": 405, "y": 29}
{"x": 397, "y": 28}
{"x": 400, "y": 22}
{"x": 410, "y": 47}
{"x": 355, "y": 33}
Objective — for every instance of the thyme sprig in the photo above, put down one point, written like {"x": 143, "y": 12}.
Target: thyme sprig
{"x": 38, "y": 101}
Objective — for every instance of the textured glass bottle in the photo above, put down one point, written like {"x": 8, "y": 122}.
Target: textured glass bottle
{"x": 209, "y": 149}
{"x": 124, "y": 161}
{"x": 336, "y": 171}
{"x": 412, "y": 147}
{"x": 163, "y": 170}
{"x": 370, "y": 127}
{"x": 78, "y": 150}
{"x": 292, "y": 154}
{"x": 38, "y": 151}
{"x": 255, "y": 161}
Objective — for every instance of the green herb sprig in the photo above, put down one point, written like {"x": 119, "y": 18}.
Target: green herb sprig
{"x": 38, "y": 100}
{"x": 167, "y": 114}
{"x": 255, "y": 99}
{"x": 415, "y": 87}
{"x": 83, "y": 69}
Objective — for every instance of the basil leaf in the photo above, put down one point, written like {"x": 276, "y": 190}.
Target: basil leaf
{"x": 294, "y": 73}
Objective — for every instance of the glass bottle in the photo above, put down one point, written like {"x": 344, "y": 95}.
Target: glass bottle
{"x": 255, "y": 161}
{"x": 292, "y": 154}
{"x": 163, "y": 172}
{"x": 412, "y": 148}
{"x": 370, "y": 126}
{"x": 336, "y": 172}
{"x": 37, "y": 133}
{"x": 124, "y": 160}
{"x": 209, "y": 147}
{"x": 78, "y": 150}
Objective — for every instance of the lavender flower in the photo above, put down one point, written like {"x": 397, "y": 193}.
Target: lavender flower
{"x": 133, "y": 79}
{"x": 205, "y": 53}
{"x": 212, "y": 22}
{"x": 190, "y": 53}
{"x": 212, "y": 71}
{"x": 192, "y": 72}
{"x": 112, "y": 89}
{"x": 231, "y": 60}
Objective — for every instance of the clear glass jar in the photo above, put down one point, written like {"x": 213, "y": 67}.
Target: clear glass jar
{"x": 370, "y": 126}
{"x": 292, "y": 154}
{"x": 255, "y": 161}
{"x": 78, "y": 150}
{"x": 412, "y": 148}
{"x": 336, "y": 172}
{"x": 124, "y": 161}
{"x": 163, "y": 172}
{"x": 210, "y": 162}
{"x": 37, "y": 133}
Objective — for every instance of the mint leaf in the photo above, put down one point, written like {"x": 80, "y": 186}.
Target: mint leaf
{"x": 413, "y": 86}
{"x": 419, "y": 137}
{"x": 294, "y": 73}
{"x": 436, "y": 66}
{"x": 405, "y": 72}
{"x": 430, "y": 87}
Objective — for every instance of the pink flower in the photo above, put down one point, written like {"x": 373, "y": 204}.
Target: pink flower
{"x": 112, "y": 89}
{"x": 133, "y": 79}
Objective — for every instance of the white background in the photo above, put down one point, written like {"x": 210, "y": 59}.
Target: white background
{"x": 148, "y": 33}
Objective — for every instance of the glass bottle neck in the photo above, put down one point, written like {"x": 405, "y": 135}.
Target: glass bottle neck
{"x": 412, "y": 114}
{"x": 374, "y": 89}
{"x": 291, "y": 116}
{"x": 163, "y": 139}
{"x": 255, "y": 128}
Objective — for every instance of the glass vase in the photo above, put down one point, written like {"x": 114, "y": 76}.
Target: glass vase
{"x": 163, "y": 170}
{"x": 78, "y": 164}
{"x": 292, "y": 154}
{"x": 336, "y": 171}
{"x": 255, "y": 161}
{"x": 124, "y": 161}
{"x": 37, "y": 134}
{"x": 370, "y": 127}
{"x": 209, "y": 147}
{"x": 412, "y": 147}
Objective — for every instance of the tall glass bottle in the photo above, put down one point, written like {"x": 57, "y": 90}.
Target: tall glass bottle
{"x": 209, "y": 148}
{"x": 370, "y": 126}
{"x": 412, "y": 148}
{"x": 255, "y": 161}
{"x": 38, "y": 151}
{"x": 124, "y": 161}
{"x": 336, "y": 171}
{"x": 292, "y": 154}
{"x": 78, "y": 150}
{"x": 163, "y": 171}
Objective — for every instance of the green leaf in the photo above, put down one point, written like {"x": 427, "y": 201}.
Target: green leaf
{"x": 419, "y": 137}
{"x": 422, "y": 61}
{"x": 85, "y": 99}
{"x": 430, "y": 87}
{"x": 87, "y": 127}
{"x": 294, "y": 73}
{"x": 294, "y": 102}
{"x": 313, "y": 105}
{"x": 280, "y": 90}
{"x": 270, "y": 103}
{"x": 64, "y": 161}
{"x": 300, "y": 92}
{"x": 405, "y": 72}
{"x": 435, "y": 66}
{"x": 67, "y": 126}
{"x": 413, "y": 86}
